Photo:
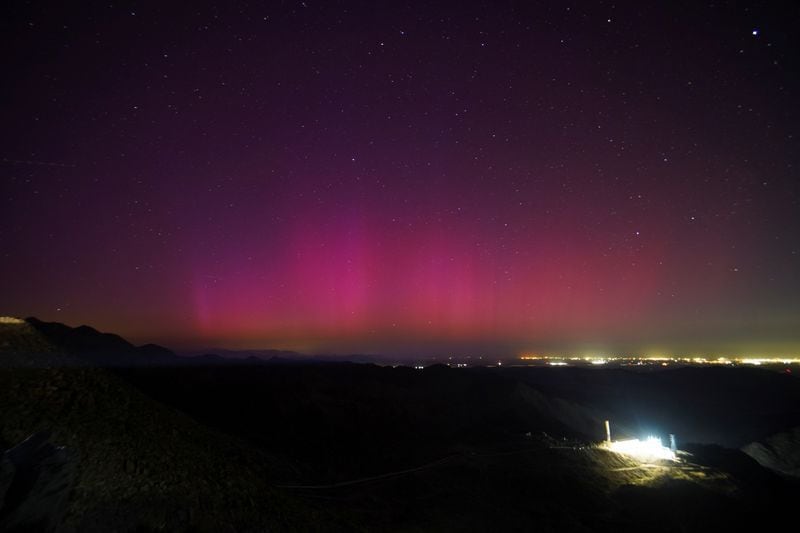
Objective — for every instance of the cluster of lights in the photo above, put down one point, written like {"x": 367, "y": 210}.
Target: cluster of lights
{"x": 648, "y": 449}
{"x": 663, "y": 361}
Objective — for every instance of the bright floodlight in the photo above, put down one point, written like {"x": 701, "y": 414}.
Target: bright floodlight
{"x": 650, "y": 448}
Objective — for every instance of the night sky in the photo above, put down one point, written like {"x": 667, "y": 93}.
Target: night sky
{"x": 476, "y": 177}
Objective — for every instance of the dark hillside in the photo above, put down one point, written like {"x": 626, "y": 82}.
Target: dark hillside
{"x": 728, "y": 406}
{"x": 254, "y": 446}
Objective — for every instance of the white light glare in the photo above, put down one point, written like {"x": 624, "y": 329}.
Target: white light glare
{"x": 650, "y": 448}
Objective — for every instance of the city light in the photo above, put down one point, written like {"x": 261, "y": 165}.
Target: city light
{"x": 637, "y": 360}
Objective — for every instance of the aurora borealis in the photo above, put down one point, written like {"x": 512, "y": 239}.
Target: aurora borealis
{"x": 407, "y": 178}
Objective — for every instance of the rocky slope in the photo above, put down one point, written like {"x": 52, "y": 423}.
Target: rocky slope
{"x": 140, "y": 465}
{"x": 779, "y": 452}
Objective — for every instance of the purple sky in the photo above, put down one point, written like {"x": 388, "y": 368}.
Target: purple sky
{"x": 326, "y": 176}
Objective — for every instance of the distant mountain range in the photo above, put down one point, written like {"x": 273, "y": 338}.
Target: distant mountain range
{"x": 58, "y": 344}
{"x": 285, "y": 356}
{"x": 33, "y": 342}
{"x": 80, "y": 345}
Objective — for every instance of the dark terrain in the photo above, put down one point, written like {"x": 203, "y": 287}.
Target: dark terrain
{"x": 132, "y": 438}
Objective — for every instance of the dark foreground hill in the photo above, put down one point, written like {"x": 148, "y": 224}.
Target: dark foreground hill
{"x": 166, "y": 446}
{"x": 140, "y": 464}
